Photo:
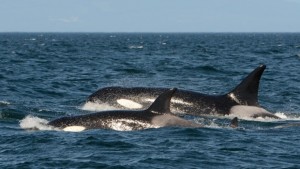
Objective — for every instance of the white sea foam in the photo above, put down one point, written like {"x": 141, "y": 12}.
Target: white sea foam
{"x": 31, "y": 39}
{"x": 136, "y": 47}
{"x": 213, "y": 124}
{"x": 92, "y": 106}
{"x": 281, "y": 115}
{"x": 4, "y": 103}
{"x": 207, "y": 123}
{"x": 35, "y": 123}
{"x": 288, "y": 116}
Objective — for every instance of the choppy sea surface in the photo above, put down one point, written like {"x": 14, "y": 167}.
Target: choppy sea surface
{"x": 44, "y": 76}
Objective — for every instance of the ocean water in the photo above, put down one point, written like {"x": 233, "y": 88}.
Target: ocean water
{"x": 44, "y": 76}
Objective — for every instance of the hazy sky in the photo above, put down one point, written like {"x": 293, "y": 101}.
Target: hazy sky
{"x": 149, "y": 15}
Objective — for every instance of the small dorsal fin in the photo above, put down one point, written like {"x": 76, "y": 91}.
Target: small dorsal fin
{"x": 234, "y": 122}
{"x": 247, "y": 91}
{"x": 161, "y": 104}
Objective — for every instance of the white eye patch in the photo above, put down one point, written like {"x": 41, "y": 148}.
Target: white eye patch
{"x": 129, "y": 104}
{"x": 74, "y": 128}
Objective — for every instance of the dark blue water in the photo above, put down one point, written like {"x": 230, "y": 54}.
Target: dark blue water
{"x": 50, "y": 75}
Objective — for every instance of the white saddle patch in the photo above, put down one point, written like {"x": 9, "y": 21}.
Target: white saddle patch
{"x": 248, "y": 112}
{"x": 74, "y": 128}
{"x": 129, "y": 104}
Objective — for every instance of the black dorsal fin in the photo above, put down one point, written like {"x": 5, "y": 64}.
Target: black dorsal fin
{"x": 234, "y": 122}
{"x": 246, "y": 92}
{"x": 161, "y": 104}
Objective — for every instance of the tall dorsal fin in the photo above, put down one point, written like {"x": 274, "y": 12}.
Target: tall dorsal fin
{"x": 234, "y": 122}
{"x": 161, "y": 104}
{"x": 247, "y": 91}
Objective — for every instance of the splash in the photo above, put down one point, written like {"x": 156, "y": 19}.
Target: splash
{"x": 281, "y": 115}
{"x": 208, "y": 123}
{"x": 92, "y": 106}
{"x": 213, "y": 124}
{"x": 288, "y": 116}
{"x": 34, "y": 123}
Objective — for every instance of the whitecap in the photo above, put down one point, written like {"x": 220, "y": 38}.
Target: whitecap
{"x": 136, "y": 47}
{"x": 4, "y": 103}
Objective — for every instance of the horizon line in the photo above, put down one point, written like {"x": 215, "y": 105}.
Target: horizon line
{"x": 133, "y": 32}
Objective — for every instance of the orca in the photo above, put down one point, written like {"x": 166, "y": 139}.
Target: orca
{"x": 189, "y": 102}
{"x": 157, "y": 115}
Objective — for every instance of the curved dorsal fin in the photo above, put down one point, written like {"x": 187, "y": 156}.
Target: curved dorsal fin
{"x": 247, "y": 91}
{"x": 161, "y": 104}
